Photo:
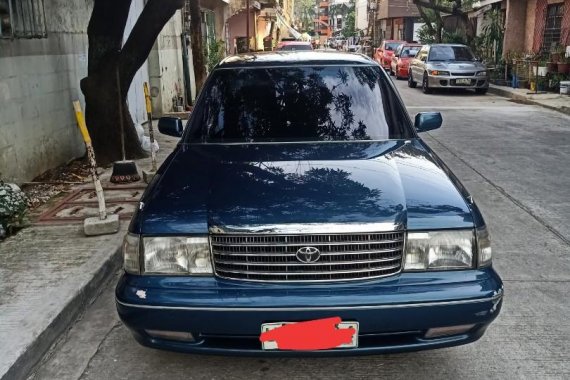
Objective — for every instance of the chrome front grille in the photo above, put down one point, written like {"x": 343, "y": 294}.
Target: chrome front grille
{"x": 261, "y": 257}
{"x": 462, "y": 74}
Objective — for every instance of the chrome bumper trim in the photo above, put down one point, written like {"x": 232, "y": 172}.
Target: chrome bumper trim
{"x": 495, "y": 299}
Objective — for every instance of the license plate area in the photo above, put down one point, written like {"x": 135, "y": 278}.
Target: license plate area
{"x": 463, "y": 82}
{"x": 273, "y": 345}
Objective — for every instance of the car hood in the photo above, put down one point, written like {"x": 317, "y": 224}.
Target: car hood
{"x": 458, "y": 66}
{"x": 253, "y": 185}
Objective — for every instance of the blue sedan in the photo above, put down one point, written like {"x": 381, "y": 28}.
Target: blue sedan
{"x": 301, "y": 214}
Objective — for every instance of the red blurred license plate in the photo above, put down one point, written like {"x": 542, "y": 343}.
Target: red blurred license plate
{"x": 320, "y": 334}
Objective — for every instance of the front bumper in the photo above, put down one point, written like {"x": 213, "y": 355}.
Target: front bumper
{"x": 393, "y": 313}
{"x": 451, "y": 81}
{"x": 402, "y": 71}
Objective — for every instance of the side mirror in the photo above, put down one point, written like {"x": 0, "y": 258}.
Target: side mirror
{"x": 171, "y": 126}
{"x": 428, "y": 121}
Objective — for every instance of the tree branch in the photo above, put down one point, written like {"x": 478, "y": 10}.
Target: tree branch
{"x": 426, "y": 19}
{"x": 136, "y": 49}
{"x": 455, "y": 10}
{"x": 105, "y": 30}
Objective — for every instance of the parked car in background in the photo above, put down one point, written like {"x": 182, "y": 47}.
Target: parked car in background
{"x": 447, "y": 66}
{"x": 386, "y": 51}
{"x": 300, "y": 191}
{"x": 284, "y": 41}
{"x": 295, "y": 46}
{"x": 401, "y": 59}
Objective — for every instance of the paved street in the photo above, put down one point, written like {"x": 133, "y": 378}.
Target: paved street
{"x": 515, "y": 161}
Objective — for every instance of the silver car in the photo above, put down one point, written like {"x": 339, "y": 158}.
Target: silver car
{"x": 447, "y": 66}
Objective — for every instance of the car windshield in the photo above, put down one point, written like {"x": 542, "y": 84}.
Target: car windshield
{"x": 409, "y": 52}
{"x": 290, "y": 47}
{"x": 450, "y": 53}
{"x": 392, "y": 46}
{"x": 318, "y": 103}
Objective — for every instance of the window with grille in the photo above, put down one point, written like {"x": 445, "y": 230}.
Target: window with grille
{"x": 553, "y": 27}
{"x": 22, "y": 19}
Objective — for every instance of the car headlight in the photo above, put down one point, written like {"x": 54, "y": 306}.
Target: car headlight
{"x": 438, "y": 72}
{"x": 440, "y": 250}
{"x": 167, "y": 255}
{"x": 482, "y": 74}
{"x": 176, "y": 255}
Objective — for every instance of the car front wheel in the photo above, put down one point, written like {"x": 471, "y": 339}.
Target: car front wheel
{"x": 411, "y": 83}
{"x": 425, "y": 85}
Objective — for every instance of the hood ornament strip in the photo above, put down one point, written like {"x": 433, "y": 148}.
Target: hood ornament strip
{"x": 307, "y": 228}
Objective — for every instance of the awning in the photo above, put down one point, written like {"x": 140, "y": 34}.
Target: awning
{"x": 281, "y": 20}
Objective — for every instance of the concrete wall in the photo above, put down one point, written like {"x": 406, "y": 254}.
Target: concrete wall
{"x": 166, "y": 72}
{"x": 397, "y": 8}
{"x": 529, "y": 24}
{"x": 39, "y": 78}
{"x": 515, "y": 25}
{"x": 361, "y": 14}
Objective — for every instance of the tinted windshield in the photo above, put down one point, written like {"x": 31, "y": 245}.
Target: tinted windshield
{"x": 392, "y": 45}
{"x": 296, "y": 47}
{"x": 450, "y": 53}
{"x": 299, "y": 104}
{"x": 409, "y": 52}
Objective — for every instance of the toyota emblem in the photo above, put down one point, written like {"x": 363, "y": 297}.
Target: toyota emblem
{"x": 308, "y": 255}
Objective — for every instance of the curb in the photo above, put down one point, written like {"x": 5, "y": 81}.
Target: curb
{"x": 34, "y": 353}
{"x": 522, "y": 99}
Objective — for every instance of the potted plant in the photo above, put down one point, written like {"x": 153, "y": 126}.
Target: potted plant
{"x": 542, "y": 68}
{"x": 564, "y": 65}
{"x": 552, "y": 64}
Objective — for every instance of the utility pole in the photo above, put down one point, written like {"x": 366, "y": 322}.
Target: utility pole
{"x": 247, "y": 24}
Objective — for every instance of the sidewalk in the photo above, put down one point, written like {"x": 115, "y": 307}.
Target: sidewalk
{"x": 556, "y": 102}
{"x": 48, "y": 273}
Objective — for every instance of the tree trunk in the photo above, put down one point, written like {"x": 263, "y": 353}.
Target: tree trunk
{"x": 107, "y": 54}
{"x": 197, "y": 45}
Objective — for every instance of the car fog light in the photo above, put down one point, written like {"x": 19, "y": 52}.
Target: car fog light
{"x": 171, "y": 335}
{"x": 448, "y": 330}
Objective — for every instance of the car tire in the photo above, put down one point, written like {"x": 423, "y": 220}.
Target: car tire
{"x": 481, "y": 91}
{"x": 411, "y": 83}
{"x": 425, "y": 85}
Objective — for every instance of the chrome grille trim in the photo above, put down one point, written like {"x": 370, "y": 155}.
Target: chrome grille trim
{"x": 272, "y": 257}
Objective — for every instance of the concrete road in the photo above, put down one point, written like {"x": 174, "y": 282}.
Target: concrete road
{"x": 515, "y": 160}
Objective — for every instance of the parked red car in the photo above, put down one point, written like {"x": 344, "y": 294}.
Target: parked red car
{"x": 386, "y": 51}
{"x": 401, "y": 59}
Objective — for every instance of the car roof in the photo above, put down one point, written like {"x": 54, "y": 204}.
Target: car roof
{"x": 294, "y": 58}
{"x": 447, "y": 45}
{"x": 295, "y": 43}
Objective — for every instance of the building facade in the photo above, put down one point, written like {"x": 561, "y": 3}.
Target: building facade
{"x": 41, "y": 64}
{"x": 546, "y": 23}
{"x": 395, "y": 19}
{"x": 361, "y": 14}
